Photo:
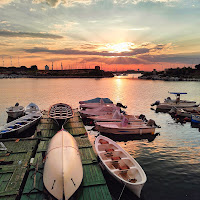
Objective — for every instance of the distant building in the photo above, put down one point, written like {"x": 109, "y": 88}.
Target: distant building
{"x": 97, "y": 67}
{"x": 46, "y": 67}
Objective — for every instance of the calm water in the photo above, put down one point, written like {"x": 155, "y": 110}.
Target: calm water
{"x": 171, "y": 161}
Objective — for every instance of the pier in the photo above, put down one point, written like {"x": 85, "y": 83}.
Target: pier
{"x": 22, "y": 163}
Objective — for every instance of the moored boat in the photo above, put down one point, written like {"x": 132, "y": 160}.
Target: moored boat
{"x": 121, "y": 165}
{"x": 96, "y": 100}
{"x": 102, "y": 110}
{"x": 32, "y": 108}
{"x": 60, "y": 113}
{"x": 15, "y": 111}
{"x": 124, "y": 127}
{"x": 63, "y": 172}
{"x": 168, "y": 104}
{"x": 115, "y": 117}
{"x": 185, "y": 112}
{"x": 195, "y": 119}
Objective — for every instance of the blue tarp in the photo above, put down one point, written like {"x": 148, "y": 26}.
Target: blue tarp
{"x": 97, "y": 100}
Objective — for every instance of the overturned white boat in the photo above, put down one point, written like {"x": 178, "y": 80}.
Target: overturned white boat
{"x": 21, "y": 124}
{"x": 15, "y": 111}
{"x": 121, "y": 165}
{"x": 60, "y": 113}
{"x": 63, "y": 172}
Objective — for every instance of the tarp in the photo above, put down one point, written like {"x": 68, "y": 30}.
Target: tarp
{"x": 96, "y": 100}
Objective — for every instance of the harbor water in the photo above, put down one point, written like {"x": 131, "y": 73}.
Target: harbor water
{"x": 171, "y": 160}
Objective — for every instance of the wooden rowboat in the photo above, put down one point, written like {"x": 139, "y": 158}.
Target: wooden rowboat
{"x": 60, "y": 113}
{"x": 63, "y": 172}
{"x": 120, "y": 164}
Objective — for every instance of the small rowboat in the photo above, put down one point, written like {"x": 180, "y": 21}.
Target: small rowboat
{"x": 60, "y": 113}
{"x": 120, "y": 164}
{"x": 63, "y": 172}
{"x": 32, "y": 108}
{"x": 15, "y": 111}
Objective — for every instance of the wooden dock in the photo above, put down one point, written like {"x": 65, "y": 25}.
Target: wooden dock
{"x": 21, "y": 165}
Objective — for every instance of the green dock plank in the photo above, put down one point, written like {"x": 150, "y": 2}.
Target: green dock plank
{"x": 43, "y": 145}
{"x": 98, "y": 192}
{"x": 87, "y": 156}
{"x": 77, "y": 131}
{"x": 45, "y": 133}
{"x": 83, "y": 141}
{"x": 92, "y": 175}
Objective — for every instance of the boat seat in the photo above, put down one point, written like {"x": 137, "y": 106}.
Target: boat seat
{"x": 103, "y": 141}
{"x": 108, "y": 154}
{"x": 115, "y": 158}
{"x": 109, "y": 150}
{"x": 123, "y": 167}
{"x": 132, "y": 180}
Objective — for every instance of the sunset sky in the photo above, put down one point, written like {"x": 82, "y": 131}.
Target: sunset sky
{"x": 115, "y": 34}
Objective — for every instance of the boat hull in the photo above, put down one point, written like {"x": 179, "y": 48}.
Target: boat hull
{"x": 63, "y": 170}
{"x": 195, "y": 119}
{"x": 124, "y": 130}
{"x": 124, "y": 176}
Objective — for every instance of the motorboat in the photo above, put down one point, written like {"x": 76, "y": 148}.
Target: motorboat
{"x": 185, "y": 112}
{"x": 102, "y": 110}
{"x": 96, "y": 100}
{"x": 14, "y": 128}
{"x": 125, "y": 127}
{"x": 15, "y": 111}
{"x": 195, "y": 119}
{"x": 168, "y": 103}
{"x": 115, "y": 117}
{"x": 120, "y": 164}
{"x": 63, "y": 171}
{"x": 60, "y": 113}
{"x": 32, "y": 108}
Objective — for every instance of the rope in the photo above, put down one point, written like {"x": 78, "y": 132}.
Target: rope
{"x": 122, "y": 192}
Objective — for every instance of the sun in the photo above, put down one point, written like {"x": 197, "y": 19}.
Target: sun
{"x": 120, "y": 47}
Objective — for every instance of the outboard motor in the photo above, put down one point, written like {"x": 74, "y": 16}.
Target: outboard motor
{"x": 143, "y": 117}
{"x": 121, "y": 105}
{"x": 17, "y": 104}
{"x": 156, "y": 103}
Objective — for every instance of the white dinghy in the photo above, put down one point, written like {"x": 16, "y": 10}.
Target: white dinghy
{"x": 15, "y": 111}
{"x": 121, "y": 165}
{"x": 60, "y": 113}
{"x": 32, "y": 108}
{"x": 63, "y": 172}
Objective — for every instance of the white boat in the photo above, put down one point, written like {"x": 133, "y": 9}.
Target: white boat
{"x": 32, "y": 108}
{"x": 15, "y": 111}
{"x": 60, "y": 113}
{"x": 124, "y": 127}
{"x": 19, "y": 125}
{"x": 63, "y": 172}
{"x": 195, "y": 119}
{"x": 185, "y": 112}
{"x": 102, "y": 110}
{"x": 115, "y": 117}
{"x": 121, "y": 165}
{"x": 168, "y": 103}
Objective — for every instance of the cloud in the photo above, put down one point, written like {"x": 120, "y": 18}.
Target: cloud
{"x": 89, "y": 53}
{"x": 67, "y": 3}
{"x": 6, "y": 33}
{"x": 5, "y": 2}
